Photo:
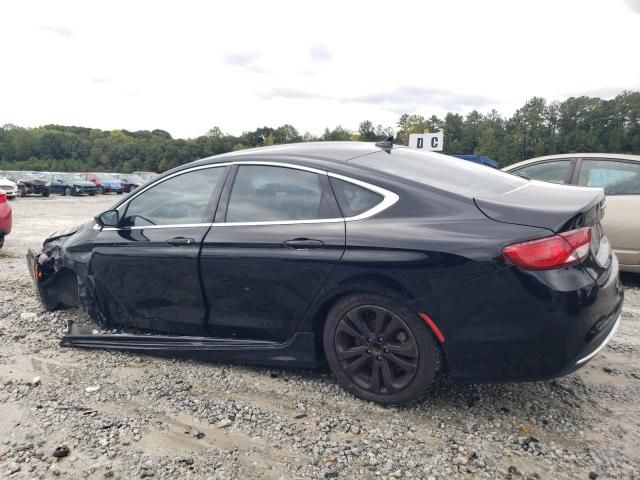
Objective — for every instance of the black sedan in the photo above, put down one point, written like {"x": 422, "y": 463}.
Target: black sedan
{"x": 394, "y": 266}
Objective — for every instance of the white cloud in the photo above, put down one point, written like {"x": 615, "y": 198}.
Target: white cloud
{"x": 187, "y": 67}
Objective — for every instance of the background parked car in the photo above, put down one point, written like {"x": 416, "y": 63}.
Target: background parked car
{"x": 129, "y": 181}
{"x": 146, "y": 176}
{"x": 71, "y": 184}
{"x": 32, "y": 185}
{"x": 104, "y": 182}
{"x": 9, "y": 186}
{"x": 618, "y": 174}
{"x": 5, "y": 217}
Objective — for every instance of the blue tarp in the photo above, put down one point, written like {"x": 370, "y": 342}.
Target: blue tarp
{"x": 481, "y": 159}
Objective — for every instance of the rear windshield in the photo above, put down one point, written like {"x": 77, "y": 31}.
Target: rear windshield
{"x": 442, "y": 171}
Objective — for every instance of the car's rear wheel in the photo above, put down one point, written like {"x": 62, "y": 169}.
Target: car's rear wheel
{"x": 380, "y": 350}
{"x": 45, "y": 193}
{"x": 67, "y": 192}
{"x": 1, "y": 241}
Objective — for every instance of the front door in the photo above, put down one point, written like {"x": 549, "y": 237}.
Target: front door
{"x": 146, "y": 270}
{"x": 277, "y": 238}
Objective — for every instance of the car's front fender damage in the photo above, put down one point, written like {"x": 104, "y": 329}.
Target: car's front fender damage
{"x": 62, "y": 277}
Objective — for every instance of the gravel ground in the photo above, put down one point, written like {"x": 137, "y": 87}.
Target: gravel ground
{"x": 99, "y": 414}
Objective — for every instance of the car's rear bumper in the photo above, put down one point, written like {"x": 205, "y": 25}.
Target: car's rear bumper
{"x": 520, "y": 326}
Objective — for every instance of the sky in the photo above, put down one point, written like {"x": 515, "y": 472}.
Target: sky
{"x": 187, "y": 66}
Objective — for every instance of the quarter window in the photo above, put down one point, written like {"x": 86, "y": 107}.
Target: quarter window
{"x": 267, "y": 194}
{"x": 180, "y": 200}
{"x": 554, "y": 172}
{"x": 617, "y": 178}
{"x": 353, "y": 199}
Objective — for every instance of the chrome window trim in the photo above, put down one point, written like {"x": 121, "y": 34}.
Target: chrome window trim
{"x": 388, "y": 198}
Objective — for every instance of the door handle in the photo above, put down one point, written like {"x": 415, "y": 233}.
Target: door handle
{"x": 303, "y": 243}
{"x": 177, "y": 241}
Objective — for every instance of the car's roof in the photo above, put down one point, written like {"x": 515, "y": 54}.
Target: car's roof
{"x": 337, "y": 151}
{"x": 562, "y": 156}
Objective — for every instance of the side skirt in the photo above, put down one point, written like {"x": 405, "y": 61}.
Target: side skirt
{"x": 299, "y": 351}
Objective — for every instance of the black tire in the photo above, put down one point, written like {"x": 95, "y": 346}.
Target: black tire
{"x": 99, "y": 190}
{"x": 400, "y": 366}
{"x": 1, "y": 241}
{"x": 45, "y": 193}
{"x": 92, "y": 194}
{"x": 23, "y": 192}
{"x": 68, "y": 192}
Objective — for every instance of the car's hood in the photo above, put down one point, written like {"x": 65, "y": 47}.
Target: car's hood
{"x": 7, "y": 183}
{"x": 33, "y": 181}
{"x": 61, "y": 234}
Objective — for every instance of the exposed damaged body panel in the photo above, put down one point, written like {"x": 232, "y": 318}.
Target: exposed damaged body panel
{"x": 298, "y": 351}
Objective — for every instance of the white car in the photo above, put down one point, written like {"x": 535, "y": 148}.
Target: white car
{"x": 10, "y": 188}
{"x": 617, "y": 174}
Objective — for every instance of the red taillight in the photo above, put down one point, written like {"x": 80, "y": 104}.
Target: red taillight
{"x": 3, "y": 197}
{"x": 550, "y": 252}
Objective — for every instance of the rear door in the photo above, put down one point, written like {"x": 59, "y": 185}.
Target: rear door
{"x": 146, "y": 269}
{"x": 278, "y": 236}
{"x": 621, "y": 182}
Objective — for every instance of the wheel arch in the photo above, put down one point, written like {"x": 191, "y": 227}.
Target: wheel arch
{"x": 370, "y": 284}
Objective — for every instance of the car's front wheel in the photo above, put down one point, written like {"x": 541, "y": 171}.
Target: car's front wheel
{"x": 67, "y": 192}
{"x": 380, "y": 350}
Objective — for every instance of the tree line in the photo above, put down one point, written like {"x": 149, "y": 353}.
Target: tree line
{"x": 577, "y": 124}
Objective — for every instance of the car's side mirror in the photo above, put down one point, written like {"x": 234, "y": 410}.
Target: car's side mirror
{"x": 110, "y": 218}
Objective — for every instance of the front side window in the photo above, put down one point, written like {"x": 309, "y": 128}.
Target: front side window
{"x": 180, "y": 200}
{"x": 271, "y": 194}
{"x": 553, "y": 172}
{"x": 617, "y": 178}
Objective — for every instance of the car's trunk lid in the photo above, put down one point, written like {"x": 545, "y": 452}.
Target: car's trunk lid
{"x": 538, "y": 204}
{"x": 558, "y": 208}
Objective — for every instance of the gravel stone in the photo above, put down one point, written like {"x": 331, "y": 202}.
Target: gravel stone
{"x": 255, "y": 422}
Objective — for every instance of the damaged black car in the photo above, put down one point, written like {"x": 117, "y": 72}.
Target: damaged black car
{"x": 33, "y": 185}
{"x": 395, "y": 267}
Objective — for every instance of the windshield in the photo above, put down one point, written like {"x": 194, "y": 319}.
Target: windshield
{"x": 132, "y": 179}
{"x": 104, "y": 176}
{"x": 441, "y": 171}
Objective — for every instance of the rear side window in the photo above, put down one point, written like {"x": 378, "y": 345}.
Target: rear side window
{"x": 353, "y": 199}
{"x": 272, "y": 194}
{"x": 617, "y": 178}
{"x": 553, "y": 172}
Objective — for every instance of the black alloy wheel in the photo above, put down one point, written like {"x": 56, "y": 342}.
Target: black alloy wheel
{"x": 380, "y": 350}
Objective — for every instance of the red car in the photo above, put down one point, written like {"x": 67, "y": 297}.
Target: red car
{"x": 5, "y": 217}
